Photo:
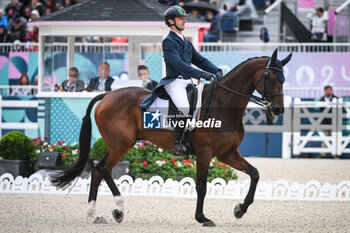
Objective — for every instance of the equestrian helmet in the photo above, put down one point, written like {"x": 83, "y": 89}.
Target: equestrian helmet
{"x": 173, "y": 12}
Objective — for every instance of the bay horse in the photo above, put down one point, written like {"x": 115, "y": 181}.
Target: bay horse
{"x": 119, "y": 120}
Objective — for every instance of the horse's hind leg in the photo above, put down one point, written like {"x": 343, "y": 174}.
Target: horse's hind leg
{"x": 103, "y": 171}
{"x": 235, "y": 160}
{"x": 96, "y": 179}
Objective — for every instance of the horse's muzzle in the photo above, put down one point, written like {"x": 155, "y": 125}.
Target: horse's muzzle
{"x": 277, "y": 108}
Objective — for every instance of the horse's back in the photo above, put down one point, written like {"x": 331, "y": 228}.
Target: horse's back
{"x": 120, "y": 108}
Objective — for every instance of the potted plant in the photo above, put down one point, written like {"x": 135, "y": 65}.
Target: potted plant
{"x": 16, "y": 151}
{"x": 99, "y": 150}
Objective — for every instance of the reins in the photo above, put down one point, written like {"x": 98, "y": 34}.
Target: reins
{"x": 261, "y": 101}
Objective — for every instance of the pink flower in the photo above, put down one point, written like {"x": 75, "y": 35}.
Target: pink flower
{"x": 143, "y": 147}
{"x": 163, "y": 160}
{"x": 144, "y": 163}
{"x": 219, "y": 164}
{"x": 59, "y": 143}
{"x": 63, "y": 155}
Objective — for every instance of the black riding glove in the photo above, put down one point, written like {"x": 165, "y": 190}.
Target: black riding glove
{"x": 219, "y": 75}
{"x": 207, "y": 76}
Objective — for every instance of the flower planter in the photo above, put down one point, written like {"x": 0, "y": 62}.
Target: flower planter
{"x": 122, "y": 168}
{"x": 15, "y": 167}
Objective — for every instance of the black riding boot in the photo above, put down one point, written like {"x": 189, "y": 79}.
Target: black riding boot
{"x": 179, "y": 147}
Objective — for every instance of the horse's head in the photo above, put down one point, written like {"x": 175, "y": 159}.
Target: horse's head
{"x": 270, "y": 84}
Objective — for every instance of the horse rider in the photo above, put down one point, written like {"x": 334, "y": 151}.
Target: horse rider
{"x": 178, "y": 54}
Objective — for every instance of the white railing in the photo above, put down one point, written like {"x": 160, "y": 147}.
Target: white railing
{"x": 320, "y": 127}
{"x": 204, "y": 47}
{"x": 312, "y": 92}
{"x": 343, "y": 129}
{"x": 186, "y": 188}
{"x": 16, "y": 104}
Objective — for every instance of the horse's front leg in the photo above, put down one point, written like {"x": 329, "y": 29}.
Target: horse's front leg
{"x": 201, "y": 187}
{"x": 235, "y": 160}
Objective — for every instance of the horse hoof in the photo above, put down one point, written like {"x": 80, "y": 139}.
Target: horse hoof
{"x": 100, "y": 220}
{"x": 118, "y": 215}
{"x": 238, "y": 211}
{"x": 209, "y": 224}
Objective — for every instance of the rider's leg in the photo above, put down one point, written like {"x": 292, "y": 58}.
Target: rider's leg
{"x": 178, "y": 94}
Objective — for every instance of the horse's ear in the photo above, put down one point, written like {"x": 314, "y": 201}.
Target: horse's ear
{"x": 287, "y": 59}
{"x": 274, "y": 56}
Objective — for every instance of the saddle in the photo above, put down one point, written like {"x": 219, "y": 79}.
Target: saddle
{"x": 193, "y": 95}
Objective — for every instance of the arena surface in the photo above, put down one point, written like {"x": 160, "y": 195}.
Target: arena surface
{"x": 59, "y": 213}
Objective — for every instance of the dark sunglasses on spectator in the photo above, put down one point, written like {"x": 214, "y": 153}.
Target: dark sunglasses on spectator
{"x": 73, "y": 75}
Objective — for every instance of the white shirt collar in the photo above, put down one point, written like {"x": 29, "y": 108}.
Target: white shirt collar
{"x": 180, "y": 35}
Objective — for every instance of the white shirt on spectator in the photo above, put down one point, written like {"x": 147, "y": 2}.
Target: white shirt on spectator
{"x": 319, "y": 24}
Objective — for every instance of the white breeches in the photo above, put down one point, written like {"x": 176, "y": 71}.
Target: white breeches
{"x": 178, "y": 94}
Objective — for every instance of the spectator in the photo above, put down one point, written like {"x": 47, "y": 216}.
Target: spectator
{"x": 27, "y": 12}
{"x": 245, "y": 9}
{"x": 68, "y": 3}
{"x": 3, "y": 19}
{"x": 73, "y": 84}
{"x": 51, "y": 6}
{"x": 328, "y": 97}
{"x": 143, "y": 74}
{"x": 14, "y": 9}
{"x": 36, "y": 5}
{"x": 32, "y": 32}
{"x": 213, "y": 34}
{"x": 21, "y": 91}
{"x": 319, "y": 20}
{"x": 102, "y": 82}
{"x": 17, "y": 31}
{"x": 328, "y": 94}
{"x": 3, "y": 35}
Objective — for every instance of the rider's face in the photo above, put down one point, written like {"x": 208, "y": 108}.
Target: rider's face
{"x": 180, "y": 22}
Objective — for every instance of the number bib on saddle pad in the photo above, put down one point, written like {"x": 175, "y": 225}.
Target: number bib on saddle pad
{"x": 161, "y": 114}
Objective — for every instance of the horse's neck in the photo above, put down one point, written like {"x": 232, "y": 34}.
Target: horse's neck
{"x": 241, "y": 81}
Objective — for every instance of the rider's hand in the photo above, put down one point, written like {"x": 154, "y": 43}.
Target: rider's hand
{"x": 207, "y": 76}
{"x": 219, "y": 75}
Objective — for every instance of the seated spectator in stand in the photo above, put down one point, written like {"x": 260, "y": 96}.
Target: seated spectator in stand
{"x": 229, "y": 20}
{"x": 14, "y": 8}
{"x": 319, "y": 20}
{"x": 3, "y": 19}
{"x": 36, "y": 5}
{"x": 73, "y": 84}
{"x": 3, "y": 35}
{"x": 20, "y": 91}
{"x": 213, "y": 34}
{"x": 102, "y": 82}
{"x": 32, "y": 32}
{"x": 51, "y": 6}
{"x": 245, "y": 9}
{"x": 143, "y": 74}
{"x": 17, "y": 31}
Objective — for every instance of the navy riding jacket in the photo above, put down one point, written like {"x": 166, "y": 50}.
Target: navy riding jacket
{"x": 178, "y": 55}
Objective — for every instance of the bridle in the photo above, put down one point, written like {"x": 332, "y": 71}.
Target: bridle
{"x": 266, "y": 98}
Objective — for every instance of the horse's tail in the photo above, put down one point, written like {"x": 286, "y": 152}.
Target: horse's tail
{"x": 64, "y": 177}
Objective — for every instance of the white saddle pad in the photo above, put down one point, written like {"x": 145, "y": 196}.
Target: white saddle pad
{"x": 156, "y": 116}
